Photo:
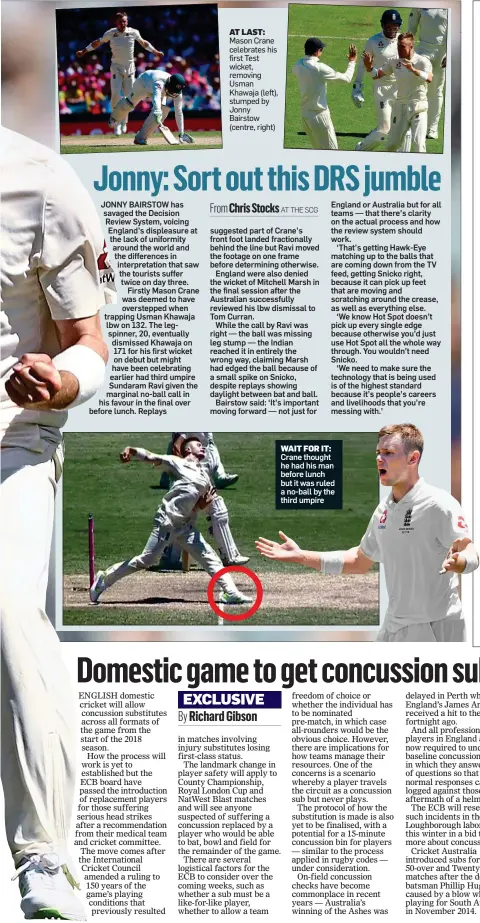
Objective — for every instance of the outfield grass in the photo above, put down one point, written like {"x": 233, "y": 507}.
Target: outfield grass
{"x": 113, "y": 616}
{"x": 123, "y": 498}
{"x": 338, "y": 26}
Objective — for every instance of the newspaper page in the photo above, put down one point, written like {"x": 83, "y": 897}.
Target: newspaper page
{"x": 243, "y": 215}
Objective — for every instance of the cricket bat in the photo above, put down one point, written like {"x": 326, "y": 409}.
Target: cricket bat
{"x": 168, "y": 135}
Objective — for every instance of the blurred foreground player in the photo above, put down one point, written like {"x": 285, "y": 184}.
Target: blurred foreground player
{"x": 430, "y": 25}
{"x": 122, "y": 40}
{"x": 53, "y": 358}
{"x": 420, "y": 536}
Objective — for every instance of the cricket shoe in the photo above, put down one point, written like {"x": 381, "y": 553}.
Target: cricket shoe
{"x": 238, "y": 561}
{"x": 140, "y": 141}
{"x": 98, "y": 587}
{"x": 235, "y": 599}
{"x": 47, "y": 889}
{"x": 124, "y": 128}
{"x": 226, "y": 481}
{"x": 432, "y": 134}
{"x": 117, "y": 131}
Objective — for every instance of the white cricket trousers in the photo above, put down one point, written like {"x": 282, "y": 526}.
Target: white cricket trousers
{"x": 140, "y": 89}
{"x": 320, "y": 131}
{"x": 405, "y": 117}
{"x": 37, "y": 705}
{"x": 436, "y": 86}
{"x": 383, "y": 98}
{"x": 150, "y": 125}
{"x": 449, "y": 629}
{"x": 121, "y": 82}
{"x": 189, "y": 539}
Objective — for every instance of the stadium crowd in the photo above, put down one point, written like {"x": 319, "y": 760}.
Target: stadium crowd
{"x": 188, "y": 36}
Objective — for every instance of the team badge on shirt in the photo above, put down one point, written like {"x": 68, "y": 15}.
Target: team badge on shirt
{"x": 382, "y": 522}
{"x": 461, "y": 524}
{"x": 407, "y": 522}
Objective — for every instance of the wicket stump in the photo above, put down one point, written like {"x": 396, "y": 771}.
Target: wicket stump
{"x": 91, "y": 548}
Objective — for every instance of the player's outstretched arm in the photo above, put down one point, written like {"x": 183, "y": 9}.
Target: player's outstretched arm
{"x": 352, "y": 561}
{"x": 148, "y": 47}
{"x": 91, "y": 47}
{"x": 140, "y": 454}
{"x": 288, "y": 551}
{"x": 178, "y": 107}
{"x": 462, "y": 557}
{"x": 334, "y": 76}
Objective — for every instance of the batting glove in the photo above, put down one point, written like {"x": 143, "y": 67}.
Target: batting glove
{"x": 357, "y": 95}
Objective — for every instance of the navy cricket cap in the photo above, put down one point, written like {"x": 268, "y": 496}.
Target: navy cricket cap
{"x": 391, "y": 16}
{"x": 314, "y": 44}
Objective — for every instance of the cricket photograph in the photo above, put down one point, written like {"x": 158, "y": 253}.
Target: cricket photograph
{"x": 145, "y": 78}
{"x": 365, "y": 79}
{"x": 204, "y": 501}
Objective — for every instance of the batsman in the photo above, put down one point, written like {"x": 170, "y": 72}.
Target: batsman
{"x": 159, "y": 86}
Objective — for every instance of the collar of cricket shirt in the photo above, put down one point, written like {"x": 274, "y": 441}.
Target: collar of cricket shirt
{"x": 409, "y": 497}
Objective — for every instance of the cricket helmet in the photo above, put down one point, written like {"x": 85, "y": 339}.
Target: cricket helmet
{"x": 175, "y": 84}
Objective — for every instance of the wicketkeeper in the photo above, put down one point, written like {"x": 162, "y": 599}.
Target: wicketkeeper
{"x": 158, "y": 86}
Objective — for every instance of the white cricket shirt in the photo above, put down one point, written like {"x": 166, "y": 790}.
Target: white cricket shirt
{"x": 411, "y": 538}
{"x": 154, "y": 86}
{"x": 313, "y": 77}
{"x": 410, "y": 88}
{"x": 193, "y": 481}
{"x": 382, "y": 49}
{"x": 433, "y": 26}
{"x": 122, "y": 45}
{"x": 51, "y": 239}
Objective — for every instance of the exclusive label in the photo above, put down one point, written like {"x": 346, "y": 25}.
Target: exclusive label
{"x": 229, "y": 699}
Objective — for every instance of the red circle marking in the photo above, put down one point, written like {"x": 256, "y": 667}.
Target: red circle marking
{"x": 243, "y": 615}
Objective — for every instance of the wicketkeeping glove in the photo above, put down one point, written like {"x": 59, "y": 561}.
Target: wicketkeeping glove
{"x": 357, "y": 95}
{"x": 185, "y": 139}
